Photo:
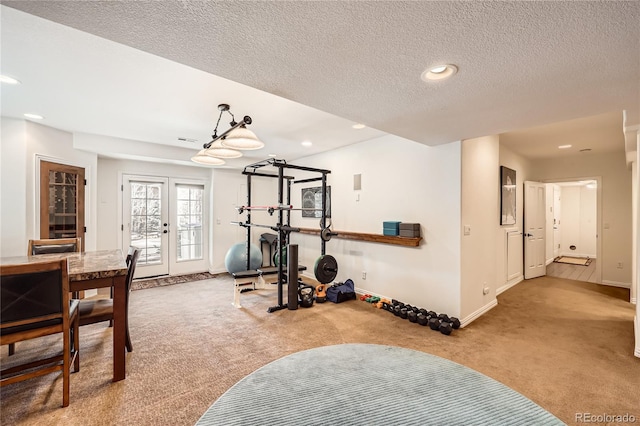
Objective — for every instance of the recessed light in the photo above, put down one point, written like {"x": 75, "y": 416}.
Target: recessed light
{"x": 8, "y": 80}
{"x": 33, "y": 116}
{"x": 359, "y": 126}
{"x": 272, "y": 155}
{"x": 307, "y": 143}
{"x": 439, "y": 72}
{"x": 564, "y": 146}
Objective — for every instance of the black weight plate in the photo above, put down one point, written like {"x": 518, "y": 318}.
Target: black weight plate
{"x": 326, "y": 269}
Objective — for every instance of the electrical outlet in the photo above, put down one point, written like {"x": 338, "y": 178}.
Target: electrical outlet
{"x": 485, "y": 290}
{"x": 620, "y": 265}
{"x": 364, "y": 275}
{"x": 467, "y": 229}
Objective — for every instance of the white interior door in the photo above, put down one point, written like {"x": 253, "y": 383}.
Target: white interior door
{"x": 534, "y": 230}
{"x": 146, "y": 222}
{"x": 557, "y": 223}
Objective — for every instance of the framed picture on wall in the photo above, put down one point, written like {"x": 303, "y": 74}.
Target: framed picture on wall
{"x": 312, "y": 200}
{"x": 507, "y": 196}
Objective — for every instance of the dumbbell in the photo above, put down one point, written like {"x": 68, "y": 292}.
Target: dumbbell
{"x": 455, "y": 323}
{"x": 404, "y": 312}
{"x": 412, "y": 316}
{"x": 424, "y": 317}
{"x": 444, "y": 317}
{"x": 434, "y": 323}
{"x": 446, "y": 327}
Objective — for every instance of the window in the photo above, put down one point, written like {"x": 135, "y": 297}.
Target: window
{"x": 189, "y": 203}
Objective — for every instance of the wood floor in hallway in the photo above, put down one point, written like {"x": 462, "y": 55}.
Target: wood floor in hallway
{"x": 573, "y": 272}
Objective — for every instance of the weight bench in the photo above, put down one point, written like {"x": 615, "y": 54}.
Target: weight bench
{"x": 269, "y": 275}
{"x": 241, "y": 282}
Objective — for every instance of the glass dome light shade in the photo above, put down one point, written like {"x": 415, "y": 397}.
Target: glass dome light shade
{"x": 202, "y": 158}
{"x": 217, "y": 150}
{"x": 242, "y": 138}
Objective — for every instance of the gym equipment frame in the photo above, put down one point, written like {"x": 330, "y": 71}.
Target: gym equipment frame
{"x": 283, "y": 226}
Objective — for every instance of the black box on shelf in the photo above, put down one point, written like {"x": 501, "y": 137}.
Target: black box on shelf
{"x": 409, "y": 230}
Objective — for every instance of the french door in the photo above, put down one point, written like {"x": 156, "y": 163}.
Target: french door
{"x": 165, "y": 219}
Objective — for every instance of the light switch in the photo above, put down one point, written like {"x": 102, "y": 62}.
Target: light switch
{"x": 467, "y": 230}
{"x": 606, "y": 226}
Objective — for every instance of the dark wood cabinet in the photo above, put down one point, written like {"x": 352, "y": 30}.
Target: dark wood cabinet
{"x": 61, "y": 201}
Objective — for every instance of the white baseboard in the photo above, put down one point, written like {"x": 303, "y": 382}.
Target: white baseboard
{"x": 616, "y": 284}
{"x": 364, "y": 291}
{"x": 633, "y": 301}
{"x": 549, "y": 261}
{"x": 477, "y": 314}
{"x": 637, "y": 334}
{"x": 509, "y": 284}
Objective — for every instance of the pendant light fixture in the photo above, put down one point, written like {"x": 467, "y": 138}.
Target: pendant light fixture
{"x": 237, "y": 137}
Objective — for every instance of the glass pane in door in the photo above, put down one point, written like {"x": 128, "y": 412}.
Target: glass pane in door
{"x": 146, "y": 221}
{"x": 189, "y": 201}
{"x": 62, "y": 204}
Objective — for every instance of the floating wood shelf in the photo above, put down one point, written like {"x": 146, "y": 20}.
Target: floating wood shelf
{"x": 374, "y": 238}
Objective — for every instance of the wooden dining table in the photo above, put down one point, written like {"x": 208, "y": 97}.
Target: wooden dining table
{"x": 92, "y": 270}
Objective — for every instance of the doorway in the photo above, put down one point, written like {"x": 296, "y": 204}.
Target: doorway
{"x": 573, "y": 248}
{"x": 62, "y": 201}
{"x": 166, "y": 219}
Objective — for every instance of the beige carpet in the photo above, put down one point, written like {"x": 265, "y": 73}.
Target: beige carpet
{"x": 566, "y": 345}
{"x": 573, "y": 260}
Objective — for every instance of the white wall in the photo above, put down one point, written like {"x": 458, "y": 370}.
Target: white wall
{"x": 522, "y": 167}
{"x": 616, "y": 204}
{"x": 403, "y": 181}
{"x": 13, "y": 188}
{"x": 480, "y": 212}
{"x": 53, "y": 145}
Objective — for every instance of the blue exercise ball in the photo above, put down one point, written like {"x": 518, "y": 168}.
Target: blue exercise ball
{"x": 236, "y": 258}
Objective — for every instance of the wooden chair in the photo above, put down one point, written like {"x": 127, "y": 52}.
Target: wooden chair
{"x": 99, "y": 310}
{"x": 54, "y": 245}
{"x": 35, "y": 303}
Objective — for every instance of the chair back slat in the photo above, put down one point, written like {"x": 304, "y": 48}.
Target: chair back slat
{"x": 54, "y": 245}
{"x": 132, "y": 267}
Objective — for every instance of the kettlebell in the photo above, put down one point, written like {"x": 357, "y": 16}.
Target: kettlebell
{"x": 321, "y": 293}
{"x": 306, "y": 296}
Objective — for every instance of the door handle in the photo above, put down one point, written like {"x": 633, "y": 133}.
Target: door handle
{"x": 528, "y": 235}
{"x": 165, "y": 231}
{"x": 165, "y": 224}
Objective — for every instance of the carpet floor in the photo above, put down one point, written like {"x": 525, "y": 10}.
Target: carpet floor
{"x": 356, "y": 384}
{"x": 566, "y": 345}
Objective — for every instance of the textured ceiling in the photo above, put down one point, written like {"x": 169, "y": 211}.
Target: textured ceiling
{"x": 521, "y": 64}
